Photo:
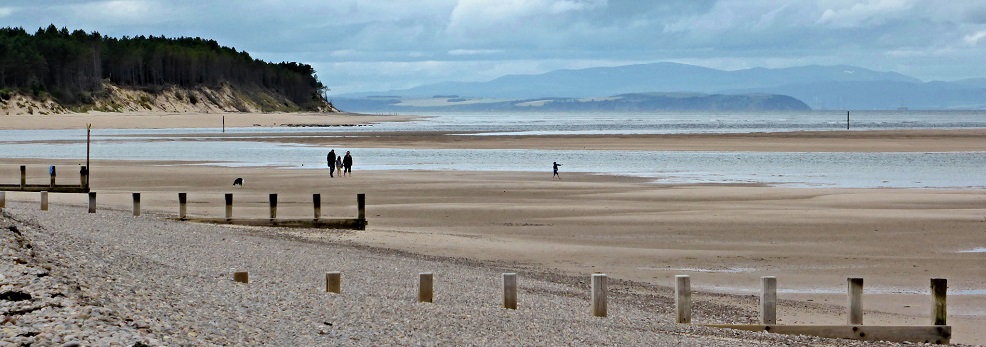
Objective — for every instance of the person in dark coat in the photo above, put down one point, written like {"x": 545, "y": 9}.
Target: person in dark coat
{"x": 331, "y": 160}
{"x": 347, "y": 164}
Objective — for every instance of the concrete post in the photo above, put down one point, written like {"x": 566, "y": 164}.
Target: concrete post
{"x": 44, "y": 201}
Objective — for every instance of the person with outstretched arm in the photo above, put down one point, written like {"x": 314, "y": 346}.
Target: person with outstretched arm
{"x": 556, "y": 165}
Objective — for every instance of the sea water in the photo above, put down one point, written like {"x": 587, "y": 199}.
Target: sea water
{"x": 799, "y": 169}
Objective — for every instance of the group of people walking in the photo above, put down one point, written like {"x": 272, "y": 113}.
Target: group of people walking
{"x": 339, "y": 164}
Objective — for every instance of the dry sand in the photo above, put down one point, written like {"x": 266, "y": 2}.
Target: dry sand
{"x": 724, "y": 236}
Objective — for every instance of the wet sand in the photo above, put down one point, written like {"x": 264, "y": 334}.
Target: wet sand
{"x": 724, "y": 236}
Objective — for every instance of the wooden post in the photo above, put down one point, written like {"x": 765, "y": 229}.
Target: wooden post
{"x": 92, "y": 202}
{"x": 229, "y": 206}
{"x": 3, "y": 199}
{"x": 855, "y": 301}
{"x": 44, "y": 201}
{"x": 333, "y": 282}
{"x": 52, "y": 173}
{"x": 361, "y": 210}
{"x": 768, "y": 300}
{"x": 510, "y": 291}
{"x": 241, "y": 277}
{"x": 598, "y": 305}
{"x": 83, "y": 177}
{"x": 425, "y": 287}
{"x": 317, "y": 205}
{"x": 182, "y": 206}
{"x": 683, "y": 299}
{"x": 136, "y": 204}
{"x": 23, "y": 177}
{"x": 939, "y": 311}
{"x": 273, "y": 206}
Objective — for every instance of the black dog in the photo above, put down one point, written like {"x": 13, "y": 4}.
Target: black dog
{"x": 238, "y": 181}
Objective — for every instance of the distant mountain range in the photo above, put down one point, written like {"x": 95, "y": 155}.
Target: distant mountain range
{"x": 820, "y": 87}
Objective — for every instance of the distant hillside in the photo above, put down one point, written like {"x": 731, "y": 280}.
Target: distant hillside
{"x": 635, "y": 102}
{"x": 820, "y": 87}
{"x": 80, "y": 71}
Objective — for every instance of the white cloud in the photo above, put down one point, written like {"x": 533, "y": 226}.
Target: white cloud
{"x": 6, "y": 11}
{"x": 846, "y": 14}
{"x": 479, "y": 19}
{"x": 122, "y": 12}
{"x": 974, "y": 38}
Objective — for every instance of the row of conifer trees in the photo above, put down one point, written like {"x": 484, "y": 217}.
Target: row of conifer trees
{"x": 71, "y": 66}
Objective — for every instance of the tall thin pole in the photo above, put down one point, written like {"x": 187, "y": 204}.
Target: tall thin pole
{"x": 88, "y": 136}
{"x": 847, "y": 120}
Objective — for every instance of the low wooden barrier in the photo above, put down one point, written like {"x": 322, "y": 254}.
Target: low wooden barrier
{"x": 358, "y": 223}
{"x": 938, "y": 332}
{"x": 83, "y": 187}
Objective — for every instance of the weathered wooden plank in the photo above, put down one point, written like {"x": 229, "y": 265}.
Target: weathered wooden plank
{"x": 939, "y": 307}
{"x": 426, "y": 287}
{"x": 43, "y": 187}
{"x": 855, "y": 303}
{"x": 323, "y": 223}
{"x": 683, "y": 299}
{"x": 940, "y": 334}
{"x": 598, "y": 304}
{"x": 510, "y": 290}
{"x": 768, "y": 300}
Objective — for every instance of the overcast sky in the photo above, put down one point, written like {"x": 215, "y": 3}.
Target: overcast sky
{"x": 375, "y": 45}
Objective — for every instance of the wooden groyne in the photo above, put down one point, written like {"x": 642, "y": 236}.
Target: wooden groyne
{"x": 937, "y": 332}
{"x": 358, "y": 223}
{"x": 51, "y": 186}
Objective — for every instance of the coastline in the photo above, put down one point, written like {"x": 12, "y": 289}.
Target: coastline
{"x": 724, "y": 235}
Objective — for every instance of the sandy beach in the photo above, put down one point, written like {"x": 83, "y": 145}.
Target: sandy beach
{"x": 725, "y": 236}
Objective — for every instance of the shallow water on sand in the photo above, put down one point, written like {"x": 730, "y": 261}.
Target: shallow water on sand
{"x": 865, "y": 170}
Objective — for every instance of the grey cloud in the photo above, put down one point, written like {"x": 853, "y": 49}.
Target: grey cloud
{"x": 412, "y": 42}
